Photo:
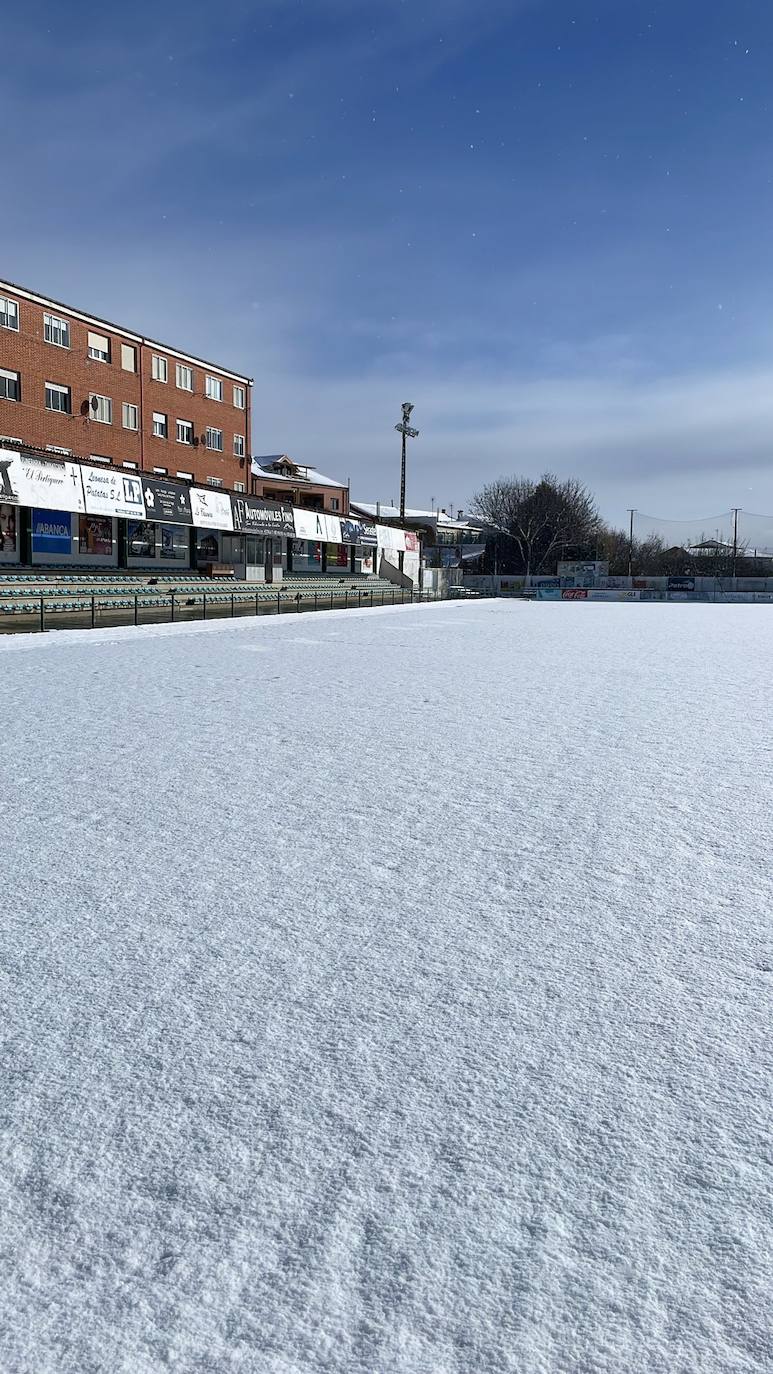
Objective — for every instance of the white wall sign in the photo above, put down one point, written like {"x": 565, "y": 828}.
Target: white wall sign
{"x": 111, "y": 492}
{"x": 333, "y": 526}
{"x": 390, "y": 538}
{"x": 40, "y": 482}
{"x": 211, "y": 509}
{"x": 311, "y": 524}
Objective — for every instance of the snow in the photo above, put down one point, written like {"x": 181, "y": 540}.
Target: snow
{"x": 388, "y": 992}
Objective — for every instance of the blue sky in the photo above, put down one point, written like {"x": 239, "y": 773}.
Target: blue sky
{"x": 546, "y": 224}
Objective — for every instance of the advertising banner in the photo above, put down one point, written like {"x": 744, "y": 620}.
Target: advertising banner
{"x": 111, "y": 492}
{"x": 333, "y": 527}
{"x": 546, "y": 582}
{"x": 310, "y": 524}
{"x": 141, "y": 539}
{"x": 95, "y": 534}
{"x": 681, "y": 584}
{"x": 358, "y": 532}
{"x": 40, "y": 482}
{"x": 390, "y": 538}
{"x": 7, "y": 529}
{"x": 411, "y": 542}
{"x": 254, "y": 516}
{"x": 175, "y": 542}
{"x": 622, "y": 595}
{"x": 211, "y": 509}
{"x": 411, "y": 566}
{"x": 574, "y": 594}
{"x": 337, "y": 556}
{"x": 587, "y": 568}
{"x": 549, "y": 593}
{"x": 51, "y": 532}
{"x": 169, "y": 503}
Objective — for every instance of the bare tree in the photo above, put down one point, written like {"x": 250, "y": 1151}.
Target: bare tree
{"x": 543, "y": 519}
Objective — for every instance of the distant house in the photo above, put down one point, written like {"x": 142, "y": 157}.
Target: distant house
{"x": 279, "y": 478}
{"x": 447, "y": 541}
{"x": 711, "y": 548}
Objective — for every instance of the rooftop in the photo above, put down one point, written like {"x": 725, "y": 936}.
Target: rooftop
{"x": 271, "y": 466}
{"x": 24, "y": 294}
{"x": 379, "y": 511}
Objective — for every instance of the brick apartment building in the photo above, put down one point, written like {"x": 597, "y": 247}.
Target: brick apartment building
{"x": 72, "y": 383}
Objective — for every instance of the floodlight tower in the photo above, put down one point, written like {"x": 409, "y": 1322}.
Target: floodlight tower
{"x": 407, "y": 433}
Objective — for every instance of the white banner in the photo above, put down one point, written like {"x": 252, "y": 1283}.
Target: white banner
{"x": 211, "y": 509}
{"x": 38, "y": 481}
{"x": 390, "y": 538}
{"x": 411, "y": 567}
{"x": 333, "y": 525}
{"x": 311, "y": 524}
{"x": 111, "y": 492}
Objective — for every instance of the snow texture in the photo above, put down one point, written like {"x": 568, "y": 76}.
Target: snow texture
{"x": 388, "y": 992}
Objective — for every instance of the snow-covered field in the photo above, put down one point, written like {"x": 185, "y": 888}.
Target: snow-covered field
{"x": 388, "y": 992}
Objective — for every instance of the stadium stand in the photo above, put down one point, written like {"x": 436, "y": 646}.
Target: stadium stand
{"x": 37, "y": 599}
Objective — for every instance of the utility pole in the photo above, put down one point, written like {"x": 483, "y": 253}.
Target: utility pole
{"x": 735, "y": 538}
{"x": 404, "y": 429}
{"x": 630, "y": 544}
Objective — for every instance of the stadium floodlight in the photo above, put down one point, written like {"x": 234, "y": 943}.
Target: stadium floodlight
{"x": 407, "y": 432}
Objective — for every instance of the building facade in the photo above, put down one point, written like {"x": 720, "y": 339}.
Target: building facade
{"x": 279, "y": 478}
{"x": 72, "y": 383}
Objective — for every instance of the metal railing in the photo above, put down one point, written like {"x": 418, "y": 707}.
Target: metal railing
{"x": 92, "y": 611}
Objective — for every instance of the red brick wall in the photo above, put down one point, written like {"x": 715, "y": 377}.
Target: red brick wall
{"x": 28, "y": 353}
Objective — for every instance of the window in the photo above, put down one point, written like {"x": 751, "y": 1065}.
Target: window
{"x": 56, "y": 331}
{"x": 184, "y": 377}
{"x": 101, "y": 409}
{"x": 55, "y": 448}
{"x": 98, "y": 458}
{"x": 184, "y": 432}
{"x": 214, "y": 389}
{"x": 132, "y": 466}
{"x": 10, "y": 385}
{"x": 159, "y": 425}
{"x": 335, "y": 504}
{"x": 161, "y": 472}
{"x": 239, "y": 445}
{"x": 214, "y": 481}
{"x": 239, "y": 397}
{"x": 58, "y": 398}
{"x": 159, "y": 368}
{"x": 9, "y": 314}
{"x": 128, "y": 358}
{"x": 239, "y": 486}
{"x": 232, "y": 548}
{"x": 99, "y": 347}
{"x": 255, "y": 550}
{"x": 186, "y": 476}
{"x": 131, "y": 416}
{"x": 215, "y": 438}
